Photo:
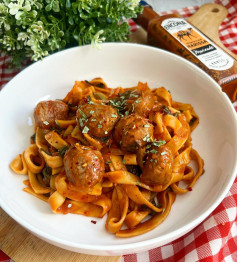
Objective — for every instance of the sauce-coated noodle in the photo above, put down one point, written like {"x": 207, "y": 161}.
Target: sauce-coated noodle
{"x": 121, "y": 152}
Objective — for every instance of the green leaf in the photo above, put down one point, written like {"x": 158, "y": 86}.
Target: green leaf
{"x": 52, "y": 25}
{"x": 68, "y": 3}
{"x": 48, "y": 7}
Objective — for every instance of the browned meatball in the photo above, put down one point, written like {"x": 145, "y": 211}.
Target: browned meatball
{"x": 133, "y": 132}
{"x": 46, "y": 112}
{"x": 96, "y": 119}
{"x": 143, "y": 104}
{"x": 84, "y": 166}
{"x": 158, "y": 167}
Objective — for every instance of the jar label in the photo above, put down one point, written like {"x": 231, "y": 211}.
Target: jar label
{"x": 202, "y": 48}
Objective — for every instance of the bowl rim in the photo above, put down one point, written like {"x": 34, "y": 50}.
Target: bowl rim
{"x": 143, "y": 243}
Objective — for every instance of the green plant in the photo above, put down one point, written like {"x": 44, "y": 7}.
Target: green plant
{"x": 33, "y": 29}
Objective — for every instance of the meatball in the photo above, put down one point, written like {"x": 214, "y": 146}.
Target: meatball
{"x": 46, "y": 112}
{"x": 133, "y": 132}
{"x": 84, "y": 166}
{"x": 98, "y": 119}
{"x": 144, "y": 104}
{"x": 158, "y": 167}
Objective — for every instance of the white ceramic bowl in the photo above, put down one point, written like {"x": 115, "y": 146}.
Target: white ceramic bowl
{"x": 119, "y": 65}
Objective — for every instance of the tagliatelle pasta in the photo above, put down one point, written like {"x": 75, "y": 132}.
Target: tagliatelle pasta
{"x": 122, "y": 152}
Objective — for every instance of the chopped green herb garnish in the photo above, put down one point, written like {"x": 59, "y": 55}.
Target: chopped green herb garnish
{"x": 81, "y": 122}
{"x": 163, "y": 153}
{"x": 62, "y": 150}
{"x": 124, "y": 161}
{"x": 89, "y": 100}
{"x": 93, "y": 120}
{"x": 166, "y": 110}
{"x": 85, "y": 130}
{"x": 146, "y": 125}
{"x": 138, "y": 101}
{"x": 153, "y": 151}
{"x": 158, "y": 143}
{"x": 133, "y": 95}
{"x": 119, "y": 105}
{"x": 82, "y": 114}
{"x": 100, "y": 126}
{"x": 47, "y": 172}
{"x": 56, "y": 128}
{"x": 113, "y": 115}
{"x": 146, "y": 138}
{"x": 48, "y": 153}
{"x": 92, "y": 112}
{"x": 46, "y": 123}
{"x": 139, "y": 183}
{"x": 108, "y": 162}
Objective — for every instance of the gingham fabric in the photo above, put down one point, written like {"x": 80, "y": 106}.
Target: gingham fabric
{"x": 4, "y": 257}
{"x": 215, "y": 239}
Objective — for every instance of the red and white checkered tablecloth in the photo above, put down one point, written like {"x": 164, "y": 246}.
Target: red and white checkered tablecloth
{"x": 215, "y": 239}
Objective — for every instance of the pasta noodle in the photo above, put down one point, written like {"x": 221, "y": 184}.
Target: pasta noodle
{"x": 119, "y": 152}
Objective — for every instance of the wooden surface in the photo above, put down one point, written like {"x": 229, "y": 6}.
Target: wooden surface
{"x": 208, "y": 20}
{"x": 22, "y": 246}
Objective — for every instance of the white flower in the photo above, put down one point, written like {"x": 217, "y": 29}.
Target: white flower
{"x": 18, "y": 15}
{"x": 27, "y": 6}
{"x": 21, "y": 36}
{"x": 14, "y": 8}
{"x": 96, "y": 41}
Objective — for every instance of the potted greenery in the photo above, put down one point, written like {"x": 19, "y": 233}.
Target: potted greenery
{"x": 33, "y": 29}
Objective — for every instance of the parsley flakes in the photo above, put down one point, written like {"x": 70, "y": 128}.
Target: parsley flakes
{"x": 84, "y": 117}
{"x": 163, "y": 153}
{"x": 153, "y": 151}
{"x": 146, "y": 138}
{"x": 158, "y": 143}
{"x": 85, "y": 130}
